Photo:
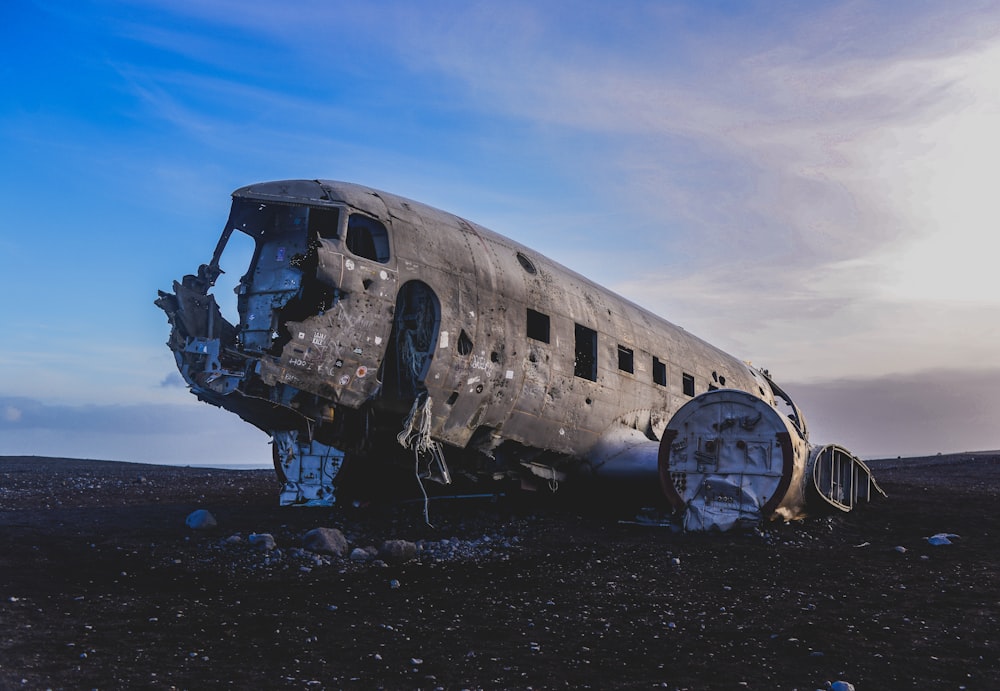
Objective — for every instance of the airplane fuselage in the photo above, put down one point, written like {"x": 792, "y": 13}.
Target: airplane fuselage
{"x": 364, "y": 315}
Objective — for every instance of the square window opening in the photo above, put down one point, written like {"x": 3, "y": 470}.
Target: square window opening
{"x": 659, "y": 372}
{"x": 538, "y": 326}
{"x": 626, "y": 359}
{"x": 324, "y": 222}
{"x": 367, "y": 238}
{"x": 585, "y": 365}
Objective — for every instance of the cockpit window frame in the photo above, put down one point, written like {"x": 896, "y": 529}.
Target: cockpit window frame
{"x": 376, "y": 247}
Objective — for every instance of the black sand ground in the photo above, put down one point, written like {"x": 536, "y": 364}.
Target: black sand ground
{"x": 102, "y": 585}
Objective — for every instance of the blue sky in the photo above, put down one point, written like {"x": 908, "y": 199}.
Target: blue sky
{"x": 808, "y": 185}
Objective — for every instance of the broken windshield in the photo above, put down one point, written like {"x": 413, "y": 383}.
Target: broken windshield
{"x": 282, "y": 270}
{"x": 236, "y": 258}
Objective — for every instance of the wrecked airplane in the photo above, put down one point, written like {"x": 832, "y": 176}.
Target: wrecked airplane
{"x": 374, "y": 331}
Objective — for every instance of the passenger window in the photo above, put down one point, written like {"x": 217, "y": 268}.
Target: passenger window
{"x": 659, "y": 372}
{"x": 688, "y": 384}
{"x": 538, "y": 326}
{"x": 585, "y": 365}
{"x": 367, "y": 238}
{"x": 626, "y": 359}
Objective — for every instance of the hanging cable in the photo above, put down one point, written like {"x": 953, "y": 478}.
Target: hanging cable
{"x": 416, "y": 435}
{"x": 420, "y": 481}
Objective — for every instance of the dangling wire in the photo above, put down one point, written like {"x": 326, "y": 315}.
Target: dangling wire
{"x": 416, "y": 435}
{"x": 420, "y": 481}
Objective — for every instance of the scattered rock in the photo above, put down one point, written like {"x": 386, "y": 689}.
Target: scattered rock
{"x": 325, "y": 541}
{"x": 201, "y": 520}
{"x": 596, "y": 572}
{"x": 264, "y": 541}
{"x": 942, "y": 539}
{"x": 397, "y": 551}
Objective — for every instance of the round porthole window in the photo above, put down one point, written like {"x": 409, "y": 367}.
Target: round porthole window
{"x": 526, "y": 263}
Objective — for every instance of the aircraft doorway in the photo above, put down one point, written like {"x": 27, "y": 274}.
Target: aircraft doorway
{"x": 411, "y": 343}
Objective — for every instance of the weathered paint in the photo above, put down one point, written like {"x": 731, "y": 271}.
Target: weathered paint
{"x": 728, "y": 459}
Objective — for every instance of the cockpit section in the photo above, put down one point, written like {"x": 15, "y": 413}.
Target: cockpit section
{"x": 314, "y": 310}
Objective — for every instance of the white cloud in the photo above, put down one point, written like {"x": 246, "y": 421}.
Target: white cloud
{"x": 828, "y": 202}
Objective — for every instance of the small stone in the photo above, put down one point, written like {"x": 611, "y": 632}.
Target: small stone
{"x": 263, "y": 541}
{"x": 397, "y": 551}
{"x": 201, "y": 520}
{"x": 358, "y": 554}
{"x": 325, "y": 541}
{"x": 941, "y": 539}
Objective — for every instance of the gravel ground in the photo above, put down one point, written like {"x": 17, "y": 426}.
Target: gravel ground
{"x": 103, "y": 585}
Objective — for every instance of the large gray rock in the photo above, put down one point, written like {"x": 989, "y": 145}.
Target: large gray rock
{"x": 201, "y": 520}
{"x": 397, "y": 551}
{"x": 325, "y": 541}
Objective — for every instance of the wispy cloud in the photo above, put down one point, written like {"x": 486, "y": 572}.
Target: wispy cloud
{"x": 817, "y": 183}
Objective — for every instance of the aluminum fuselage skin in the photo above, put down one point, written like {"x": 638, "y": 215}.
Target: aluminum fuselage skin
{"x": 523, "y": 388}
{"x": 360, "y": 306}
